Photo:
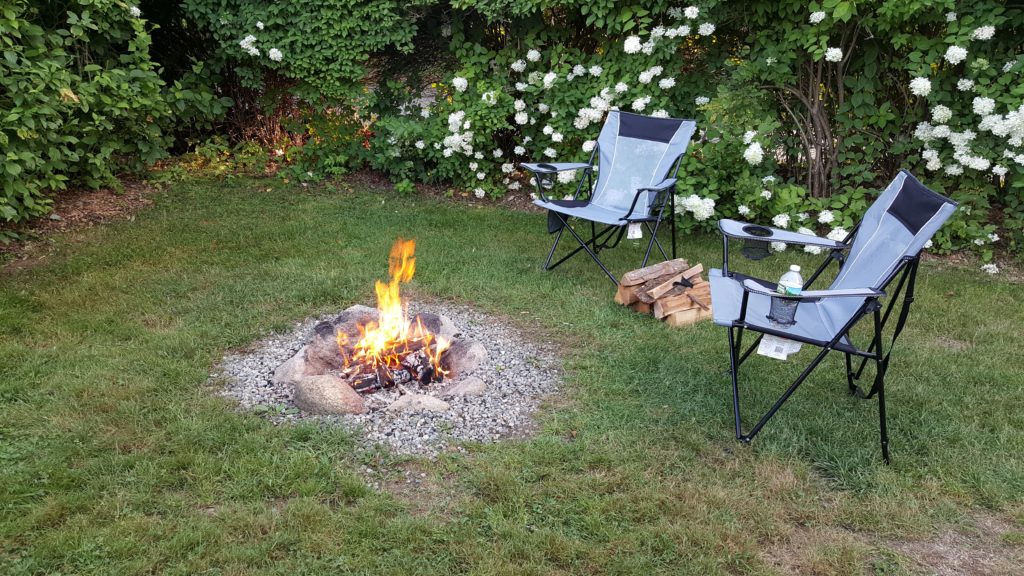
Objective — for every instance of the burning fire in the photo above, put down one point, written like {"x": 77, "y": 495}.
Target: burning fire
{"x": 388, "y": 341}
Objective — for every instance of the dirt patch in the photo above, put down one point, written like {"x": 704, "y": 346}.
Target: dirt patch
{"x": 983, "y": 550}
{"x": 951, "y": 344}
{"x": 73, "y": 210}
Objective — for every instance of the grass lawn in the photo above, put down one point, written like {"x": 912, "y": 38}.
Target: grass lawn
{"x": 117, "y": 458}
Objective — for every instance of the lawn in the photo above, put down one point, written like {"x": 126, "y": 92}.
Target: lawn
{"x": 116, "y": 456}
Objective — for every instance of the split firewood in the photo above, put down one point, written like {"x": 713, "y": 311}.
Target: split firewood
{"x": 641, "y": 307}
{"x": 626, "y": 295}
{"x": 650, "y": 272}
{"x": 686, "y": 317}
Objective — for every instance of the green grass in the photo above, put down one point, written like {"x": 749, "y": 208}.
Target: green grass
{"x": 116, "y": 458}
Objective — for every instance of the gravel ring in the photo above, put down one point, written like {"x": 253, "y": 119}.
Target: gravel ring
{"x": 518, "y": 373}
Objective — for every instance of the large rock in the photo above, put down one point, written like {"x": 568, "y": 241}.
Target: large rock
{"x": 438, "y": 324}
{"x": 471, "y": 386}
{"x": 327, "y": 394}
{"x": 464, "y": 357}
{"x": 291, "y": 370}
{"x": 418, "y": 403}
{"x": 322, "y": 352}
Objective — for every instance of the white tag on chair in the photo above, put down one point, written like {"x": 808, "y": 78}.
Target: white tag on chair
{"x": 778, "y": 348}
{"x": 634, "y": 231}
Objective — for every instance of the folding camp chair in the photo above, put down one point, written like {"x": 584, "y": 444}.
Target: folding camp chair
{"x": 887, "y": 243}
{"x": 638, "y": 158}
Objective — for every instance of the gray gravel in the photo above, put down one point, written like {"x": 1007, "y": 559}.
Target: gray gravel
{"x": 518, "y": 373}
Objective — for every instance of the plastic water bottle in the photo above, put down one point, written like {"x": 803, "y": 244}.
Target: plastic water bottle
{"x": 791, "y": 284}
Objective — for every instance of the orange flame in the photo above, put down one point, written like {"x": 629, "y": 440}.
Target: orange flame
{"x": 388, "y": 340}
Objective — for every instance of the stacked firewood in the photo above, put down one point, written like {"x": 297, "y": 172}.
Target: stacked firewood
{"x": 672, "y": 291}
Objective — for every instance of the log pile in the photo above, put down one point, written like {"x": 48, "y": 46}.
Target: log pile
{"x": 672, "y": 291}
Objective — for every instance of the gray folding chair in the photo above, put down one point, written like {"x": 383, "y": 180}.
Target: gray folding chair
{"x": 887, "y": 243}
{"x": 638, "y": 158}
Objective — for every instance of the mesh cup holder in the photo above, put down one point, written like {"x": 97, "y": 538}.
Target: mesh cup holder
{"x": 756, "y": 249}
{"x": 783, "y": 310}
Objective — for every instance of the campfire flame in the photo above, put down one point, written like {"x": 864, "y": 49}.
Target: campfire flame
{"x": 386, "y": 342}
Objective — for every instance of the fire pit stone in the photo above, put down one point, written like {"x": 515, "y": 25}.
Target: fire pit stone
{"x": 418, "y": 403}
{"x": 326, "y": 394}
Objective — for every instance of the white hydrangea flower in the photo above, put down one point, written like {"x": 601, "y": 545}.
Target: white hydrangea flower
{"x": 543, "y": 108}
{"x": 567, "y": 176}
{"x": 950, "y": 16}
{"x": 579, "y": 70}
{"x": 497, "y": 153}
{"x": 621, "y": 87}
{"x": 479, "y": 155}
{"x": 550, "y": 152}
{"x": 990, "y": 268}
{"x": 993, "y": 237}
{"x": 706, "y": 29}
{"x": 817, "y": 17}
{"x": 645, "y": 77}
{"x": 743, "y": 210}
{"x": 557, "y": 137}
{"x": 803, "y": 216}
{"x": 425, "y": 112}
{"x": 920, "y": 86}
{"x": 965, "y": 85}
{"x": 533, "y": 55}
{"x": 954, "y": 170}
{"x": 812, "y": 249}
{"x": 826, "y": 217}
{"x": 249, "y": 45}
{"x": 520, "y": 86}
{"x": 983, "y": 33}
{"x": 979, "y": 242}
{"x": 522, "y": 118}
{"x": 648, "y": 47}
{"x": 837, "y": 234}
{"x": 748, "y": 136}
{"x": 1009, "y": 66}
{"x": 675, "y": 12}
{"x": 955, "y": 54}
{"x": 639, "y": 104}
{"x": 588, "y": 146}
{"x": 770, "y": 60}
{"x": 666, "y": 83}
{"x": 548, "y": 129}
{"x": 480, "y": 175}
{"x": 632, "y": 45}
{"x": 834, "y": 55}
{"x": 519, "y": 105}
{"x": 420, "y": 144}
{"x": 660, "y": 113}
{"x": 275, "y": 55}
{"x": 754, "y": 154}
{"x": 778, "y": 246}
{"x": 999, "y": 170}
{"x": 983, "y": 106}
{"x": 447, "y": 153}
{"x": 519, "y": 150}
{"x": 701, "y": 100}
{"x": 519, "y": 65}
{"x": 691, "y": 12}
{"x": 941, "y": 114}
{"x": 489, "y": 98}
{"x": 460, "y": 83}
{"x": 473, "y": 166}
{"x": 805, "y": 231}
{"x": 508, "y": 168}
{"x": 549, "y": 79}
{"x": 136, "y": 13}
{"x": 766, "y": 194}
{"x": 479, "y": 192}
{"x": 928, "y": 244}
{"x": 516, "y": 185}
{"x": 781, "y": 220}
{"x": 766, "y": 179}
{"x": 595, "y": 70}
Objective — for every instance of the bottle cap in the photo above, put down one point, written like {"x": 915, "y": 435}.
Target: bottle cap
{"x": 794, "y": 267}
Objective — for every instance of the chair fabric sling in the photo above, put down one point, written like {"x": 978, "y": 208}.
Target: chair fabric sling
{"x": 883, "y": 247}
{"x": 636, "y": 159}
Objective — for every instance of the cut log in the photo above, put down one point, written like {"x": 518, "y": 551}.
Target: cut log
{"x": 626, "y": 295}
{"x": 660, "y": 290}
{"x": 697, "y": 297}
{"x": 650, "y": 272}
{"x": 641, "y": 307}
{"x": 687, "y": 317}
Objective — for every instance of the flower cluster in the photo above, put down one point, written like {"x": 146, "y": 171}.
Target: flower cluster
{"x": 701, "y": 208}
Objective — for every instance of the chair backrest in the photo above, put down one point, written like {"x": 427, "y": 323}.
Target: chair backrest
{"x": 896, "y": 226}
{"x": 635, "y": 152}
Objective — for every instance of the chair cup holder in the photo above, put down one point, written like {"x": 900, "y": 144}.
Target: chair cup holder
{"x": 783, "y": 310}
{"x": 756, "y": 249}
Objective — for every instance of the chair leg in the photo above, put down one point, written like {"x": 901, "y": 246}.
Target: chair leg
{"x": 785, "y": 396}
{"x": 883, "y": 428}
{"x": 673, "y": 223}
{"x": 733, "y": 372}
{"x": 583, "y": 244}
{"x": 558, "y": 238}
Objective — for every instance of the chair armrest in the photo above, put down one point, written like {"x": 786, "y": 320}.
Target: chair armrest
{"x": 554, "y": 167}
{"x": 663, "y": 185}
{"x": 756, "y": 287}
{"x": 741, "y": 230}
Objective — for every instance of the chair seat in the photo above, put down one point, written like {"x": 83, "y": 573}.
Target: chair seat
{"x": 817, "y": 322}
{"x": 586, "y": 211}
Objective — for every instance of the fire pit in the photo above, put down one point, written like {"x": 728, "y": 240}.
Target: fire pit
{"x": 406, "y": 378}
